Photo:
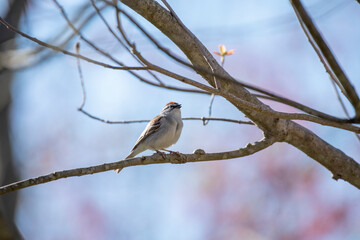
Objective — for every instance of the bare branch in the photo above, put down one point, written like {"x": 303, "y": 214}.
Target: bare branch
{"x": 274, "y": 96}
{"x": 244, "y": 104}
{"x": 77, "y": 49}
{"x": 198, "y": 156}
{"x": 323, "y": 60}
{"x": 203, "y": 119}
{"x": 211, "y": 65}
{"x": 248, "y": 105}
{"x": 30, "y": 57}
{"x": 212, "y": 97}
{"x": 342, "y": 105}
{"x": 123, "y": 67}
{"x": 273, "y": 123}
{"x": 341, "y": 165}
{"x": 304, "y": 18}
{"x": 119, "y": 40}
{"x": 58, "y": 49}
{"x": 81, "y": 108}
{"x": 76, "y": 31}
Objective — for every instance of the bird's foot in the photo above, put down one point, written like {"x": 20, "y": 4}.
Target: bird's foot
{"x": 161, "y": 153}
{"x": 180, "y": 158}
{"x": 172, "y": 152}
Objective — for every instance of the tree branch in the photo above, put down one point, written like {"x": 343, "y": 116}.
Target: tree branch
{"x": 274, "y": 97}
{"x": 275, "y": 124}
{"x": 263, "y": 109}
{"x": 58, "y": 49}
{"x": 198, "y": 156}
{"x": 203, "y": 119}
{"x": 350, "y": 92}
{"x": 81, "y": 108}
{"x": 312, "y": 145}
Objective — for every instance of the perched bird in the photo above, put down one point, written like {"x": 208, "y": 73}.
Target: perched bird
{"x": 161, "y": 132}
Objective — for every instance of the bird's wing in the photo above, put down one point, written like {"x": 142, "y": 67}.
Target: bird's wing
{"x": 152, "y": 127}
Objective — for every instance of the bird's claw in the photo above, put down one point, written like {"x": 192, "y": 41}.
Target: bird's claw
{"x": 181, "y": 159}
{"x": 161, "y": 153}
{"x": 176, "y": 153}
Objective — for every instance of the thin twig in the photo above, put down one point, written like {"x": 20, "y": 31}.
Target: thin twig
{"x": 210, "y": 108}
{"x": 120, "y": 41}
{"x": 77, "y": 49}
{"x": 343, "y": 105}
{"x": 79, "y": 14}
{"x": 320, "y": 55}
{"x": 350, "y": 92}
{"x": 339, "y": 98}
{"x": 333, "y": 78}
{"x": 120, "y": 28}
{"x": 161, "y": 84}
{"x": 203, "y": 119}
{"x": 58, "y": 49}
{"x": 65, "y": 16}
{"x": 199, "y": 155}
{"x": 145, "y": 121}
{"x": 167, "y": 51}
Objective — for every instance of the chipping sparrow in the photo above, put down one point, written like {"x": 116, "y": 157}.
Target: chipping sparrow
{"x": 161, "y": 132}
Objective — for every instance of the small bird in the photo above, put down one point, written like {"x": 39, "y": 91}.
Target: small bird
{"x": 161, "y": 132}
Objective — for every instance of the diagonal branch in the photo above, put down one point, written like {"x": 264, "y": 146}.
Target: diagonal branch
{"x": 274, "y": 97}
{"x": 129, "y": 69}
{"x": 248, "y": 105}
{"x": 119, "y": 40}
{"x": 304, "y": 18}
{"x": 341, "y": 165}
{"x": 81, "y": 108}
{"x": 58, "y": 49}
{"x": 198, "y": 156}
{"x": 31, "y": 57}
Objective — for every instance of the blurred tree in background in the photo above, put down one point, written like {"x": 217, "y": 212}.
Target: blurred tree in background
{"x": 8, "y": 173}
{"x": 132, "y": 59}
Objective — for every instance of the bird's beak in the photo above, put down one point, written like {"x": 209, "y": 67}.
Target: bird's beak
{"x": 179, "y": 105}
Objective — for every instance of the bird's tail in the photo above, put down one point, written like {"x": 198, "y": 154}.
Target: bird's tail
{"x": 131, "y": 155}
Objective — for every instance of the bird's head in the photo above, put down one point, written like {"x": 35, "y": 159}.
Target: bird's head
{"x": 171, "y": 106}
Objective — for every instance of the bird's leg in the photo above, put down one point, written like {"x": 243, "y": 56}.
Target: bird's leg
{"x": 161, "y": 153}
{"x": 180, "y": 158}
{"x": 172, "y": 152}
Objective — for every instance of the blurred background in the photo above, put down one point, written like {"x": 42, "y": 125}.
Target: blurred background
{"x": 278, "y": 193}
